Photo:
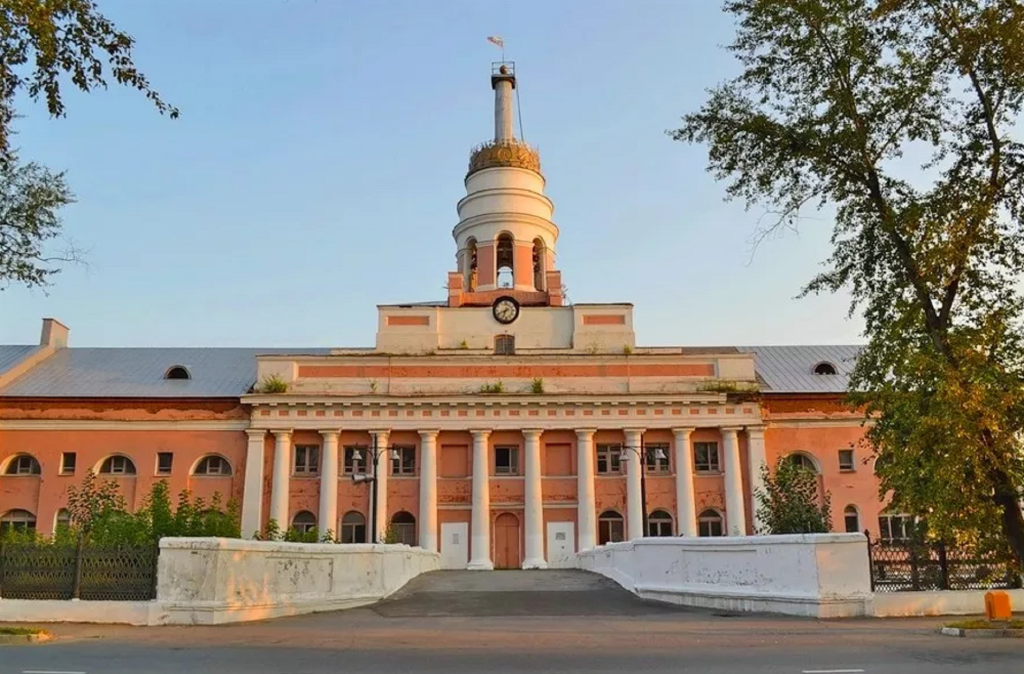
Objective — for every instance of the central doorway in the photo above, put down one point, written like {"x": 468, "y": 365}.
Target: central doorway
{"x": 506, "y": 542}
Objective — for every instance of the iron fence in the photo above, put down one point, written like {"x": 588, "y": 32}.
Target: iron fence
{"x": 77, "y": 571}
{"x": 910, "y": 566}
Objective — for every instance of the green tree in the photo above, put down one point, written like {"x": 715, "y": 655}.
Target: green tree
{"x": 92, "y": 502}
{"x": 833, "y": 101}
{"x": 46, "y": 45}
{"x": 789, "y": 503}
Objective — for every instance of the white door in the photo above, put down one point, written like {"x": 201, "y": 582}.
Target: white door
{"x": 561, "y": 545}
{"x": 454, "y": 545}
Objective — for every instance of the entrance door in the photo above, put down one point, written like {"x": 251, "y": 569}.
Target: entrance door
{"x": 506, "y": 542}
{"x": 561, "y": 545}
{"x": 454, "y": 545}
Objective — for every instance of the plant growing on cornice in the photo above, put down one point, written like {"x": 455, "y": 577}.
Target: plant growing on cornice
{"x": 493, "y": 388}
{"x": 627, "y": 350}
{"x": 463, "y": 345}
{"x": 537, "y": 386}
{"x": 272, "y": 384}
{"x": 373, "y": 386}
{"x": 593, "y": 349}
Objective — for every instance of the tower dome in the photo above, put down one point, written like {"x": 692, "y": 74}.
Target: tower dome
{"x": 505, "y": 237}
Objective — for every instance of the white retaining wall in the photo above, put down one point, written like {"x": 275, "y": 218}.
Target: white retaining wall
{"x": 820, "y": 575}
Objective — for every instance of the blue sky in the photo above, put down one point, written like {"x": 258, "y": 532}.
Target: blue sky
{"x": 320, "y": 153}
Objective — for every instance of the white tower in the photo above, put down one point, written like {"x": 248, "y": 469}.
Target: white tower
{"x": 505, "y": 236}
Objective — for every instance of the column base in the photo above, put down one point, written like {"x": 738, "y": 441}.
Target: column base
{"x": 481, "y": 565}
{"x": 535, "y": 564}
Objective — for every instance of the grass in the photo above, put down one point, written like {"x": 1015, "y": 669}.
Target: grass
{"x": 981, "y": 624}
{"x": 20, "y": 631}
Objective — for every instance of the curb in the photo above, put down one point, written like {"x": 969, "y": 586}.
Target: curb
{"x": 982, "y": 634}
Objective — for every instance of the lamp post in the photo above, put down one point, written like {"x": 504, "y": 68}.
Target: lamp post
{"x": 641, "y": 453}
{"x": 375, "y": 454}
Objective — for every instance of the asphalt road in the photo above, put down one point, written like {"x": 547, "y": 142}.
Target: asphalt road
{"x": 509, "y": 623}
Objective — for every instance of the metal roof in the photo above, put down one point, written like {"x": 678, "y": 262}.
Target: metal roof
{"x": 790, "y": 369}
{"x": 12, "y": 355}
{"x": 139, "y": 373}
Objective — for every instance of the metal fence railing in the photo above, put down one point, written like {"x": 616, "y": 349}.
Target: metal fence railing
{"x": 77, "y": 571}
{"x": 909, "y": 566}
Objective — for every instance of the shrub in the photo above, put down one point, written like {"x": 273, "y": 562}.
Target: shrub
{"x": 272, "y": 384}
{"x": 789, "y": 502}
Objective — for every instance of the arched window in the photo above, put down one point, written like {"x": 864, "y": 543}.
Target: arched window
{"x": 505, "y": 345}
{"x": 17, "y": 520}
{"x": 505, "y": 261}
{"x": 539, "y": 263}
{"x": 353, "y": 528}
{"x": 404, "y": 525}
{"x": 709, "y": 523}
{"x": 802, "y": 461}
{"x": 117, "y": 465}
{"x": 825, "y": 368}
{"x": 659, "y": 523}
{"x": 304, "y": 522}
{"x": 212, "y": 465}
{"x": 610, "y": 528}
{"x": 177, "y": 372}
{"x": 851, "y": 518}
{"x": 470, "y": 262}
{"x": 63, "y": 520}
{"x": 895, "y": 527}
{"x": 23, "y": 464}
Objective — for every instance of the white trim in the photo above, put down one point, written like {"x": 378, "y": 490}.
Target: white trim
{"x": 105, "y": 425}
{"x": 816, "y": 423}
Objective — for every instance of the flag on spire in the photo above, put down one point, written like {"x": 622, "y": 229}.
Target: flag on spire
{"x": 494, "y": 39}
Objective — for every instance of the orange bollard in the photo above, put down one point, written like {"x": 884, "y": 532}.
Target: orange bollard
{"x": 997, "y": 606}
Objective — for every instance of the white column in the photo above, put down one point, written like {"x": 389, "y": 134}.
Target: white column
{"x": 328, "y": 519}
{"x": 279, "y": 493}
{"x": 503, "y": 110}
{"x": 634, "y": 505}
{"x": 428, "y": 490}
{"x": 252, "y": 497}
{"x": 380, "y": 473}
{"x": 534, "y": 504}
{"x": 755, "y": 450}
{"x": 686, "y": 508}
{"x": 586, "y": 517}
{"x": 735, "y": 512}
{"x": 480, "y": 559}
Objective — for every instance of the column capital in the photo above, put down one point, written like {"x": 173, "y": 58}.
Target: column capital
{"x": 754, "y": 431}
{"x": 481, "y": 434}
{"x": 256, "y": 433}
{"x": 684, "y": 431}
{"x": 429, "y": 434}
{"x": 282, "y": 433}
{"x": 380, "y": 431}
{"x": 532, "y": 431}
{"x": 331, "y": 433}
{"x": 587, "y": 433}
{"x": 634, "y": 430}
{"x": 730, "y": 429}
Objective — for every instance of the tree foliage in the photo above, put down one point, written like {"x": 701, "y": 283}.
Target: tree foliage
{"x": 44, "y": 46}
{"x": 790, "y": 503}
{"x": 902, "y": 117}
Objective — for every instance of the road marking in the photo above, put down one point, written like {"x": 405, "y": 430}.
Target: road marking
{"x": 833, "y": 671}
{"x": 44, "y": 671}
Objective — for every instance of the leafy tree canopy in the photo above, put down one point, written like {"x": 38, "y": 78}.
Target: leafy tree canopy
{"x": 903, "y": 118}
{"x": 790, "y": 503}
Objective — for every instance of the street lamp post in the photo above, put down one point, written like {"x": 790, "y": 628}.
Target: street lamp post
{"x": 641, "y": 453}
{"x": 375, "y": 454}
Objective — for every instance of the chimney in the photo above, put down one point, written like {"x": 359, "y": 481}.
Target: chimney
{"x": 55, "y": 334}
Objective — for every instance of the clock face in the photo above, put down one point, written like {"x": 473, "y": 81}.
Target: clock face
{"x": 506, "y": 310}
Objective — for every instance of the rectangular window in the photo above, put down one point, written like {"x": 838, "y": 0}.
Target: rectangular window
{"x": 405, "y": 464}
{"x": 657, "y": 457}
{"x": 609, "y": 459}
{"x": 506, "y": 460}
{"x": 68, "y": 460}
{"x": 307, "y": 459}
{"x": 353, "y": 465}
{"x": 705, "y": 457}
{"x": 895, "y": 528}
{"x": 610, "y": 530}
{"x": 846, "y": 460}
{"x": 164, "y": 461}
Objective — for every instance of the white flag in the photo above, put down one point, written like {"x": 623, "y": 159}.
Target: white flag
{"x": 496, "y": 40}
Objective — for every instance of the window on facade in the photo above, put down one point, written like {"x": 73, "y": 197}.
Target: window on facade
{"x": 307, "y": 459}
{"x": 657, "y": 457}
{"x": 709, "y": 523}
{"x": 164, "y": 461}
{"x": 213, "y": 465}
{"x": 178, "y": 372}
{"x": 403, "y": 525}
{"x": 506, "y": 460}
{"x": 63, "y": 520}
{"x": 610, "y": 528}
{"x": 846, "y": 459}
{"x": 803, "y": 462}
{"x": 471, "y": 264}
{"x": 405, "y": 464}
{"x": 609, "y": 459}
{"x": 825, "y": 369}
{"x": 353, "y": 465}
{"x": 851, "y": 519}
{"x": 117, "y": 465}
{"x": 895, "y": 527}
{"x": 68, "y": 461}
{"x": 23, "y": 464}
{"x": 353, "y": 528}
{"x": 304, "y": 522}
{"x": 505, "y": 261}
{"x": 705, "y": 457}
{"x": 505, "y": 345}
{"x": 17, "y": 520}
{"x": 659, "y": 523}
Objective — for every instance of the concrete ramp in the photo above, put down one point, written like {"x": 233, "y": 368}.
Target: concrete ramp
{"x": 514, "y": 593}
